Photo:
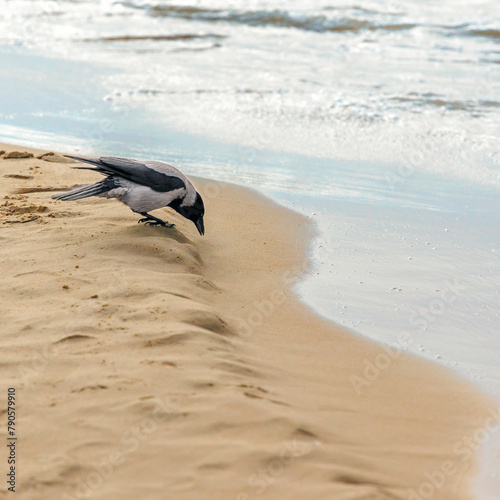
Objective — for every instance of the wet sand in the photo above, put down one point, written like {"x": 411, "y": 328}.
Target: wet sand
{"x": 153, "y": 362}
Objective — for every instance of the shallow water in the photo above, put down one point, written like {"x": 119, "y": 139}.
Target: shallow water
{"x": 380, "y": 121}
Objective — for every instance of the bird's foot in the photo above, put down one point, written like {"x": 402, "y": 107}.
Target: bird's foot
{"x": 159, "y": 223}
{"x": 151, "y": 220}
{"x": 155, "y": 222}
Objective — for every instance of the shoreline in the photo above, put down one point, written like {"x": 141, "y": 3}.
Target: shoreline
{"x": 234, "y": 375}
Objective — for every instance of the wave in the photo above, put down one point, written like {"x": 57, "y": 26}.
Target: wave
{"x": 468, "y": 30}
{"x": 274, "y": 18}
{"x": 156, "y": 38}
{"x": 155, "y": 92}
{"x": 429, "y": 99}
{"x": 489, "y": 33}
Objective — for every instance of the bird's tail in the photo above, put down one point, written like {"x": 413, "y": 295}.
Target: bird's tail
{"x": 86, "y": 191}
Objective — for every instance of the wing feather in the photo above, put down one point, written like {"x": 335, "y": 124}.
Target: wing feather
{"x": 134, "y": 171}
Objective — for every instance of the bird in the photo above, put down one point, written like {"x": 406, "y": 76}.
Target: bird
{"x": 142, "y": 186}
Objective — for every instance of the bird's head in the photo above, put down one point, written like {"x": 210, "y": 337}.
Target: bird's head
{"x": 195, "y": 213}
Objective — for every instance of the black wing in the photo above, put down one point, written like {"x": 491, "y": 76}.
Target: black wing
{"x": 134, "y": 171}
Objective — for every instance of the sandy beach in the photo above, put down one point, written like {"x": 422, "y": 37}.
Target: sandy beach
{"x": 154, "y": 363}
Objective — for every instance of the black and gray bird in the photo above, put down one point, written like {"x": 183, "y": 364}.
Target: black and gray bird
{"x": 143, "y": 186}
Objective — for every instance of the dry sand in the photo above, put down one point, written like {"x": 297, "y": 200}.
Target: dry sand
{"x": 154, "y": 363}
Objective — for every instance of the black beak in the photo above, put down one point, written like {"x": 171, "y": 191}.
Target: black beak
{"x": 200, "y": 225}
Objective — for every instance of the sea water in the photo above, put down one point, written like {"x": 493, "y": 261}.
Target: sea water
{"x": 379, "y": 120}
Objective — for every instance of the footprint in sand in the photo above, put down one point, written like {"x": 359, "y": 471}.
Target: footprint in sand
{"x": 16, "y": 210}
{"x": 54, "y": 158}
{"x": 17, "y": 155}
{"x": 19, "y": 176}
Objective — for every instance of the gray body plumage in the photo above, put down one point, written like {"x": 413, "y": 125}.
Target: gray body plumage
{"x": 143, "y": 186}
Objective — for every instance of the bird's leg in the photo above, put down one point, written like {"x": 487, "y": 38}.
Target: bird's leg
{"x": 151, "y": 220}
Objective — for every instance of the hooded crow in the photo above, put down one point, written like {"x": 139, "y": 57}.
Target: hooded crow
{"x": 143, "y": 186}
